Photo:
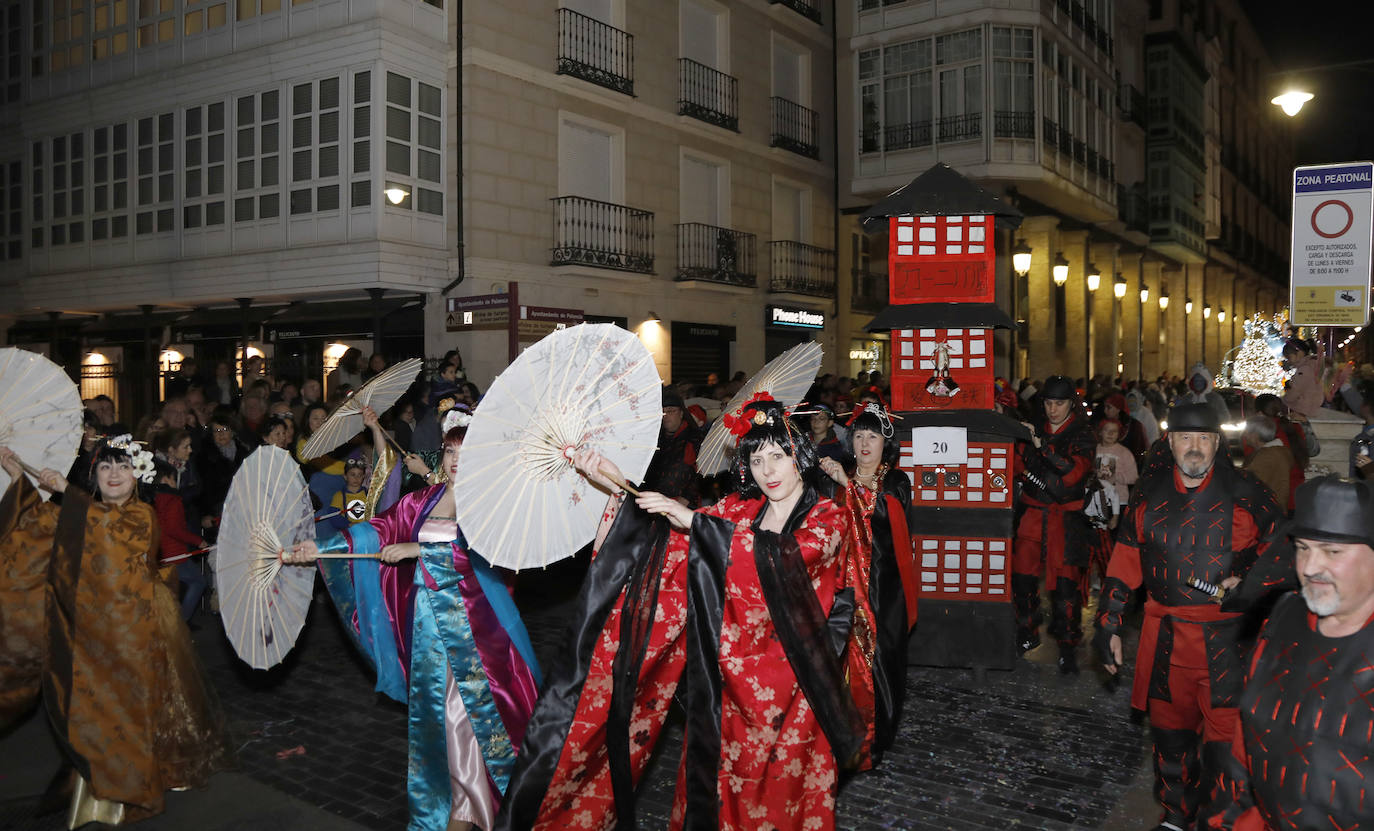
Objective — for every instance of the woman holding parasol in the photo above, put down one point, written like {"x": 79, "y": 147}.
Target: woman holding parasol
{"x": 876, "y": 494}
{"x": 440, "y": 626}
{"x": 119, "y": 677}
{"x": 745, "y": 597}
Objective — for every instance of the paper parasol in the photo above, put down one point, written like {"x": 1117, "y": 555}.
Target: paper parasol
{"x": 520, "y": 502}
{"x": 785, "y": 379}
{"x": 346, "y": 421}
{"x": 263, "y": 603}
{"x": 40, "y": 412}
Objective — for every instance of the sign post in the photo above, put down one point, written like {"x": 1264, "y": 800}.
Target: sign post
{"x": 1333, "y": 209}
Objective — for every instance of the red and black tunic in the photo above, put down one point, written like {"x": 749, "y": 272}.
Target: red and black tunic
{"x": 1304, "y": 749}
{"x": 1054, "y": 480}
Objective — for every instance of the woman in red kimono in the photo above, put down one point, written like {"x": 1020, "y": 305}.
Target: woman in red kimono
{"x": 877, "y": 495}
{"x": 746, "y": 598}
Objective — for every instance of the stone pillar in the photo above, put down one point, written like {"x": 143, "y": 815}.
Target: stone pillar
{"x": 1040, "y": 233}
{"x": 1106, "y": 312}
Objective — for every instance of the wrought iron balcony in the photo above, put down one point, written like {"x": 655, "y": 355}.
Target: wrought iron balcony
{"x": 602, "y": 234}
{"x": 961, "y": 127}
{"x": 1050, "y": 134}
{"x": 810, "y": 11}
{"x": 794, "y": 128}
{"x": 595, "y": 52}
{"x": 707, "y": 94}
{"x": 1012, "y": 124}
{"x": 868, "y": 291}
{"x": 896, "y": 137}
{"x": 717, "y": 255}
{"x": 802, "y": 269}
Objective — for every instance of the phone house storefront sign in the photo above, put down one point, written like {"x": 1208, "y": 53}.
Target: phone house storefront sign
{"x": 794, "y": 318}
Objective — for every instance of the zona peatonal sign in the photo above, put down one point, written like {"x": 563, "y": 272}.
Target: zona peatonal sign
{"x": 1331, "y": 244}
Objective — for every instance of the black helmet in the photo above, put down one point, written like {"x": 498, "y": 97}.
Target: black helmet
{"x": 1058, "y": 387}
{"x": 1193, "y": 418}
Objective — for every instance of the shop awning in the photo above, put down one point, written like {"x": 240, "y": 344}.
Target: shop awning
{"x": 128, "y": 328}
{"x": 221, "y": 324}
{"x": 941, "y": 316}
{"x": 345, "y": 319}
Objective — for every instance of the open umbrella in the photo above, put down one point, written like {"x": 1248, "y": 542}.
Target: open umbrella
{"x": 785, "y": 379}
{"x": 40, "y": 412}
{"x": 263, "y": 603}
{"x": 519, "y": 501}
{"x": 379, "y": 393}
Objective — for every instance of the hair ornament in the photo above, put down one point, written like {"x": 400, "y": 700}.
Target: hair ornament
{"x": 883, "y": 416}
{"x": 140, "y": 458}
{"x": 455, "y": 416}
{"x": 738, "y": 423}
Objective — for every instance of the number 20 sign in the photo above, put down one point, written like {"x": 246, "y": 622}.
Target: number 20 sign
{"x": 940, "y": 445}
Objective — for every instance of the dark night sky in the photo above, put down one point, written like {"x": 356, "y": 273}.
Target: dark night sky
{"x": 1339, "y": 124}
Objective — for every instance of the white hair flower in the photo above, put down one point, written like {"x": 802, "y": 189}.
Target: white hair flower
{"x": 456, "y": 418}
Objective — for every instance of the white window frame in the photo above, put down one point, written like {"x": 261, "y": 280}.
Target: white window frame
{"x": 722, "y": 15}
{"x": 805, "y": 207}
{"x": 803, "y": 68}
{"x": 724, "y": 202}
{"x": 617, "y": 134}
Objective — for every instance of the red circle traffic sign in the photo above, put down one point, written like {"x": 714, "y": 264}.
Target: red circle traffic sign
{"x": 1349, "y": 218}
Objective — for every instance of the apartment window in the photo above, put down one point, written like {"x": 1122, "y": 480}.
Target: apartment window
{"x": 203, "y": 158}
{"x": 414, "y": 138}
{"x": 202, "y": 16}
{"x": 896, "y": 97}
{"x": 11, "y": 53}
{"x": 68, "y": 34}
{"x": 362, "y": 139}
{"x": 791, "y": 72}
{"x": 109, "y": 35}
{"x": 11, "y": 211}
{"x": 705, "y": 191}
{"x": 703, "y": 33}
{"x": 156, "y": 174}
{"x": 157, "y": 22}
{"x": 315, "y": 146}
{"x": 36, "y": 184}
{"x": 68, "y": 171}
{"x": 38, "y": 63}
{"x": 588, "y": 162}
{"x": 791, "y": 205}
{"x": 252, "y": 8}
{"x": 959, "y": 56}
{"x": 1013, "y": 69}
{"x": 110, "y": 182}
{"x": 257, "y": 157}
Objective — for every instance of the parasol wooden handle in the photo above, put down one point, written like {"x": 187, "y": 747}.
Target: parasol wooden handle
{"x": 346, "y": 556}
{"x": 619, "y": 483}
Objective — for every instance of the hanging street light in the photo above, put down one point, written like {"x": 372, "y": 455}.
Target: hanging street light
{"x": 1188, "y": 306}
{"x": 1119, "y": 286}
{"x": 1163, "y": 300}
{"x": 1221, "y": 315}
{"x": 1207, "y": 311}
{"x": 1144, "y": 293}
{"x": 1094, "y": 277}
{"x": 1291, "y": 102}
{"x": 1060, "y": 269}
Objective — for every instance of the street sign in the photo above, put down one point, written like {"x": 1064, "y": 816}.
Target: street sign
{"x": 538, "y": 321}
{"x": 478, "y": 313}
{"x": 1332, "y": 227}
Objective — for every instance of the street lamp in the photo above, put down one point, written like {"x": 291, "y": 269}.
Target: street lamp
{"x": 1221, "y": 315}
{"x": 1094, "y": 277}
{"x": 1144, "y": 293}
{"x": 1060, "y": 269}
{"x": 1188, "y": 306}
{"x": 1119, "y": 286}
{"x": 1291, "y": 102}
{"x": 1021, "y": 258}
{"x": 1207, "y": 311}
{"x": 1164, "y": 300}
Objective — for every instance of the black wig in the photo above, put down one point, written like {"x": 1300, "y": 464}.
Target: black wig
{"x": 771, "y": 428}
{"x": 869, "y": 420}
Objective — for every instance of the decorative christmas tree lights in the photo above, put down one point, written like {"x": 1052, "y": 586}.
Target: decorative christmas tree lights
{"x": 1257, "y": 365}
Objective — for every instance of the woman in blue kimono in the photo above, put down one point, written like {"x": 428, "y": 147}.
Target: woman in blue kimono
{"x": 439, "y": 624}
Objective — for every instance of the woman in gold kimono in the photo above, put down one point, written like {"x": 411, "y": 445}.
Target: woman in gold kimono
{"x": 113, "y": 660}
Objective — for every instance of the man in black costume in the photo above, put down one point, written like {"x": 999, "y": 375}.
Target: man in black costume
{"x": 673, "y": 469}
{"x": 1201, "y": 519}
{"x": 1304, "y": 747}
{"x": 1052, "y": 535}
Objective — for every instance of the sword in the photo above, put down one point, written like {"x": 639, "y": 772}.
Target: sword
{"x": 1216, "y": 592}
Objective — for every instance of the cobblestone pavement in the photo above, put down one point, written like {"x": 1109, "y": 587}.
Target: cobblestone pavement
{"x": 1026, "y": 749}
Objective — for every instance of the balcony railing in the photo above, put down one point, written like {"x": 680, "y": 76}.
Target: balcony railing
{"x": 794, "y": 128}
{"x": 906, "y": 136}
{"x": 707, "y": 94}
{"x": 719, "y": 255}
{"x": 806, "y": 9}
{"x": 1011, "y": 124}
{"x": 1050, "y": 133}
{"x": 961, "y": 127}
{"x": 868, "y": 291}
{"x": 602, "y": 234}
{"x": 802, "y": 269}
{"x": 595, "y": 52}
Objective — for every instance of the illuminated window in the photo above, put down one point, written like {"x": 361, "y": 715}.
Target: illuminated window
{"x": 68, "y": 34}
{"x": 157, "y": 21}
{"x": 414, "y": 111}
{"x": 110, "y": 182}
{"x": 109, "y": 35}
{"x": 202, "y": 16}
{"x": 252, "y": 8}
{"x": 257, "y": 155}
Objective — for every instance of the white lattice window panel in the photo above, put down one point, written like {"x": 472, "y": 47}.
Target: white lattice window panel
{"x": 11, "y": 211}
{"x": 157, "y": 22}
{"x": 109, "y": 28}
{"x": 257, "y": 156}
{"x": 68, "y": 171}
{"x": 69, "y": 30}
{"x": 156, "y": 174}
{"x": 361, "y": 186}
{"x": 414, "y": 142}
{"x": 110, "y": 178}
{"x": 315, "y": 125}
{"x": 202, "y": 16}
{"x": 203, "y": 154}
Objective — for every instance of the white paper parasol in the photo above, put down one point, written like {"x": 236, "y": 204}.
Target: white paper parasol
{"x": 346, "y": 421}
{"x": 40, "y": 413}
{"x": 519, "y": 501}
{"x": 263, "y": 603}
{"x": 785, "y": 379}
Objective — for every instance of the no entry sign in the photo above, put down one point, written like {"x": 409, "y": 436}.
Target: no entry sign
{"x": 1331, "y": 244}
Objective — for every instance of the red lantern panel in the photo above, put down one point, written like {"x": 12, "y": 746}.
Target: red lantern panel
{"x": 964, "y": 568}
{"x": 935, "y": 259}
{"x": 938, "y": 369}
{"x": 985, "y": 482}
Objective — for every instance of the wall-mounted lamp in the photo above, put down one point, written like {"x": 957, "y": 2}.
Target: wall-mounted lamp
{"x": 1144, "y": 293}
{"x": 1060, "y": 269}
{"x": 1207, "y": 311}
{"x": 1093, "y": 277}
{"x": 1021, "y": 258}
{"x": 1119, "y": 286}
{"x": 1188, "y": 306}
{"x": 1164, "y": 300}
{"x": 395, "y": 194}
{"x": 1221, "y": 315}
